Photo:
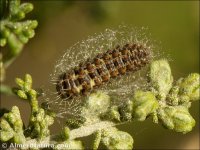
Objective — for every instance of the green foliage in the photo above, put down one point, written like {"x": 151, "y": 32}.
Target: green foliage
{"x": 160, "y": 78}
{"x": 176, "y": 118}
{"x": 12, "y": 127}
{"x": 98, "y": 115}
{"x": 185, "y": 90}
{"x": 97, "y": 104}
{"x": 112, "y": 138}
{"x": 14, "y": 31}
{"x": 144, "y": 104}
{"x": 40, "y": 119}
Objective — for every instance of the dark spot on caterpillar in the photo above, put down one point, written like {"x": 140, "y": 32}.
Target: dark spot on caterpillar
{"x": 94, "y": 73}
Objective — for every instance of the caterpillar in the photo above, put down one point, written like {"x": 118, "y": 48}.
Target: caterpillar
{"x": 112, "y": 62}
{"x": 91, "y": 74}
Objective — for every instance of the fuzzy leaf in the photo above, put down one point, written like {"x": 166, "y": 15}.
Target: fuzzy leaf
{"x": 95, "y": 105}
{"x": 144, "y": 104}
{"x": 176, "y": 118}
{"x": 115, "y": 139}
{"x": 161, "y": 78}
{"x": 186, "y": 90}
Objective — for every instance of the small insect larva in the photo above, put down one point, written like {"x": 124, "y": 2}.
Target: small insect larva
{"x": 104, "y": 62}
{"x": 93, "y": 73}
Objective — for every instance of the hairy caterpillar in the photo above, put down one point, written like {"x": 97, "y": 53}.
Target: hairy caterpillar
{"x": 77, "y": 72}
{"x": 93, "y": 73}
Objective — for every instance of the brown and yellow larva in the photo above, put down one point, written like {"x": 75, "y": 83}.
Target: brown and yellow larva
{"x": 112, "y": 62}
{"x": 93, "y": 73}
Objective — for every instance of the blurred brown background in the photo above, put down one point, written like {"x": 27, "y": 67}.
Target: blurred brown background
{"x": 62, "y": 23}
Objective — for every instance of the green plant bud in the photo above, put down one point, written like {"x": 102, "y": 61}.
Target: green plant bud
{"x": 29, "y": 33}
{"x": 19, "y": 138}
{"x": 49, "y": 119}
{"x": 69, "y": 145}
{"x": 189, "y": 87}
{"x": 33, "y": 94}
{"x": 28, "y": 83}
{"x": 12, "y": 126}
{"x": 6, "y": 131}
{"x": 23, "y": 38}
{"x": 144, "y": 104}
{"x": 3, "y": 42}
{"x": 22, "y": 94}
{"x": 97, "y": 140}
{"x": 32, "y": 24}
{"x": 6, "y": 135}
{"x": 13, "y": 116}
{"x": 4, "y": 125}
{"x": 185, "y": 90}
{"x": 14, "y": 5}
{"x": 115, "y": 139}
{"x": 176, "y": 118}
{"x": 160, "y": 77}
{"x": 40, "y": 115}
{"x": 14, "y": 44}
{"x": 19, "y": 82}
{"x": 19, "y": 15}
{"x": 26, "y": 7}
{"x": 17, "y": 28}
{"x": 65, "y": 133}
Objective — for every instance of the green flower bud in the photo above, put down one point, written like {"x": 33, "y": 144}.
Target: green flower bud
{"x": 26, "y": 7}
{"x": 176, "y": 118}
{"x": 33, "y": 94}
{"x": 6, "y": 131}
{"x": 19, "y": 82}
{"x": 160, "y": 77}
{"x": 49, "y": 119}
{"x": 29, "y": 33}
{"x": 22, "y": 94}
{"x": 28, "y": 83}
{"x": 17, "y": 28}
{"x": 185, "y": 90}
{"x": 115, "y": 139}
{"x": 15, "y": 44}
{"x": 144, "y": 104}
{"x": 6, "y": 135}
{"x": 23, "y": 38}
{"x": 65, "y": 134}
{"x": 14, "y": 6}
{"x": 32, "y": 24}
{"x": 97, "y": 140}
{"x": 189, "y": 87}
{"x": 12, "y": 126}
{"x": 40, "y": 115}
